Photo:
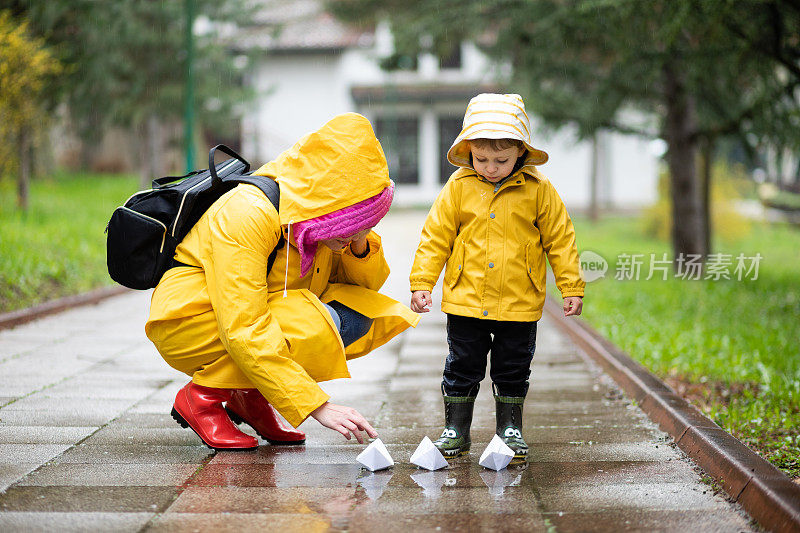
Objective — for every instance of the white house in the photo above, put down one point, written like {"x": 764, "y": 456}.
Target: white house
{"x": 314, "y": 67}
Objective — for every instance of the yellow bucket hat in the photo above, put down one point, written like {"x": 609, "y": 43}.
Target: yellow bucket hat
{"x": 494, "y": 116}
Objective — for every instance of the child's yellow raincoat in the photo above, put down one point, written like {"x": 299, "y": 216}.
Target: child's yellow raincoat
{"x": 494, "y": 244}
{"x": 229, "y": 324}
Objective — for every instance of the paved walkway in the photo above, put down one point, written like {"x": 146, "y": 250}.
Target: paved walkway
{"x": 87, "y": 442}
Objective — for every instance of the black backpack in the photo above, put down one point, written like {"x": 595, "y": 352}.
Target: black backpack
{"x": 143, "y": 233}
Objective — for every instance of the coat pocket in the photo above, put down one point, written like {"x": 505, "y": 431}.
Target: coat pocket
{"x": 455, "y": 264}
{"x": 533, "y": 264}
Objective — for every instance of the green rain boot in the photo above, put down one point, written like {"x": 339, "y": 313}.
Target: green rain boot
{"x": 509, "y": 424}
{"x": 454, "y": 441}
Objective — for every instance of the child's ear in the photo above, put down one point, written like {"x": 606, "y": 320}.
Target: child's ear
{"x": 521, "y": 150}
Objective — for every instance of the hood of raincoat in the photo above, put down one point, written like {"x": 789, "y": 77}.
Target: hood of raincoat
{"x": 495, "y": 116}
{"x": 334, "y": 167}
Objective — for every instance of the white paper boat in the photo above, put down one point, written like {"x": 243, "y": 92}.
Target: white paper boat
{"x": 375, "y": 456}
{"x": 497, "y": 454}
{"x": 428, "y": 456}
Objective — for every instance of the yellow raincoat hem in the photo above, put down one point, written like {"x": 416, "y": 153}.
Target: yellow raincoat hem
{"x": 214, "y": 384}
{"x": 509, "y": 316}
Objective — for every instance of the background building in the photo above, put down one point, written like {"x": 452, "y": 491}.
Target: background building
{"x": 309, "y": 67}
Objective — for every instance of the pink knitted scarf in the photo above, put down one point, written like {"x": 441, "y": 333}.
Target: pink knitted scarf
{"x": 340, "y": 224}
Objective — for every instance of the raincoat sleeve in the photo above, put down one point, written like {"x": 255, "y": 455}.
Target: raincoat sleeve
{"x": 242, "y": 236}
{"x": 436, "y": 242}
{"x": 558, "y": 240}
{"x": 369, "y": 271}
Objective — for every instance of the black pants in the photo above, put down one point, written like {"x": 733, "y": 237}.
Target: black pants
{"x": 511, "y": 344}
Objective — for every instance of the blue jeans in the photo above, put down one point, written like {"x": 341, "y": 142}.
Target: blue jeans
{"x": 352, "y": 325}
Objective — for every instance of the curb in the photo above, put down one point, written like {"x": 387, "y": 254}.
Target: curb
{"x": 767, "y": 494}
{"x": 15, "y": 318}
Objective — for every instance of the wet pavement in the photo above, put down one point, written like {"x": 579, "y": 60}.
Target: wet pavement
{"x": 87, "y": 442}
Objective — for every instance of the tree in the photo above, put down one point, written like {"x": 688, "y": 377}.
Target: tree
{"x": 25, "y": 67}
{"x": 699, "y": 69}
{"x": 124, "y": 64}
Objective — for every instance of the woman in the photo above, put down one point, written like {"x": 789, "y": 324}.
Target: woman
{"x": 257, "y": 339}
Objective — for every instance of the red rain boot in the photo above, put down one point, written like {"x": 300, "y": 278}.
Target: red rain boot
{"x": 250, "y": 407}
{"x": 200, "y": 408}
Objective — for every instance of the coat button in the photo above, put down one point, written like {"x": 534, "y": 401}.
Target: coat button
{"x": 491, "y": 215}
{"x": 459, "y": 267}
{"x": 485, "y": 313}
{"x": 491, "y": 265}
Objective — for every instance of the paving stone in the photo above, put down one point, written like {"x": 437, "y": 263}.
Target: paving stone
{"x": 29, "y": 453}
{"x": 707, "y": 521}
{"x": 98, "y": 391}
{"x": 366, "y": 520}
{"x": 11, "y": 417}
{"x": 639, "y": 495}
{"x": 236, "y": 523}
{"x": 43, "y": 434}
{"x": 327, "y": 454}
{"x": 69, "y": 406}
{"x": 74, "y": 522}
{"x": 132, "y": 453}
{"x": 636, "y": 451}
{"x": 147, "y": 436}
{"x": 144, "y": 420}
{"x": 271, "y": 475}
{"x": 87, "y": 499}
{"x": 11, "y": 473}
{"x": 117, "y": 475}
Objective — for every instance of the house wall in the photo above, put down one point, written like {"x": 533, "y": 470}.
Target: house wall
{"x": 299, "y": 92}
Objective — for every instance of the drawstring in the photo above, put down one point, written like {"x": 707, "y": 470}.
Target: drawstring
{"x": 286, "y": 274}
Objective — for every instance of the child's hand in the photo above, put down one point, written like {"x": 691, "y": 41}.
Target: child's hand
{"x": 573, "y": 305}
{"x": 421, "y": 301}
{"x": 343, "y": 419}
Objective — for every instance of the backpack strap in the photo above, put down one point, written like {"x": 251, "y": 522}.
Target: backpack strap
{"x": 272, "y": 191}
{"x": 267, "y": 185}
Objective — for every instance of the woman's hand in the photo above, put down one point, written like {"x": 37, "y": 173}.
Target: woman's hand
{"x": 420, "y": 301}
{"x": 359, "y": 245}
{"x": 573, "y": 305}
{"x": 343, "y": 419}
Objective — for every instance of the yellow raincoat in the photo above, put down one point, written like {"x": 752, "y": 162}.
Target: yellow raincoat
{"x": 230, "y": 324}
{"x": 494, "y": 244}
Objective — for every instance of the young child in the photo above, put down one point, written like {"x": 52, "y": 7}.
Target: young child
{"x": 493, "y": 223}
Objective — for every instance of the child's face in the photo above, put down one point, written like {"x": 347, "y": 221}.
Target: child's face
{"x": 494, "y": 165}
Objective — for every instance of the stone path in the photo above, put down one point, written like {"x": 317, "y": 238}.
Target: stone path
{"x": 87, "y": 442}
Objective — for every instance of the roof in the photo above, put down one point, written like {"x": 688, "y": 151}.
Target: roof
{"x": 300, "y": 26}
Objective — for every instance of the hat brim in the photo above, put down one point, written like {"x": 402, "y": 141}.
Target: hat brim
{"x": 459, "y": 153}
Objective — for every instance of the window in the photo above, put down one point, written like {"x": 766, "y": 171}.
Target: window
{"x": 399, "y": 138}
{"x": 399, "y": 62}
{"x": 449, "y": 128}
{"x": 452, "y": 60}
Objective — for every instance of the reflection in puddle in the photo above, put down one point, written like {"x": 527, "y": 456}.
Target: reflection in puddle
{"x": 374, "y": 483}
{"x": 432, "y": 482}
{"x": 498, "y": 481}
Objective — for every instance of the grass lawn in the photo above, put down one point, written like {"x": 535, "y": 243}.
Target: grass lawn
{"x": 729, "y": 346}
{"x": 58, "y": 247}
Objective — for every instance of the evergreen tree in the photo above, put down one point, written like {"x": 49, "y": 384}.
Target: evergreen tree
{"x": 700, "y": 69}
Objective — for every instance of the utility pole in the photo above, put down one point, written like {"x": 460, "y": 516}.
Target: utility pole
{"x": 188, "y": 110}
